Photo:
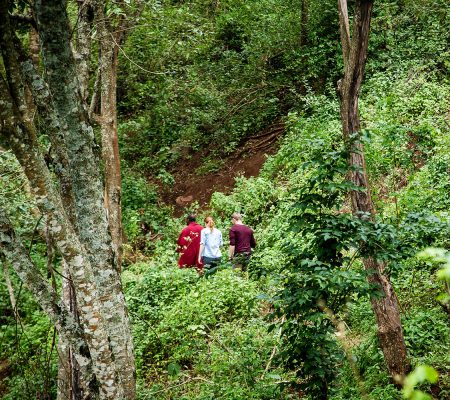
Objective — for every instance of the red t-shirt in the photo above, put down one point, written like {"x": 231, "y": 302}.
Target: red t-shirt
{"x": 241, "y": 236}
{"x": 189, "y": 246}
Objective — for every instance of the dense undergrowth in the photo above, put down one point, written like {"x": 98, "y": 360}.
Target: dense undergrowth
{"x": 234, "y": 69}
{"x": 412, "y": 214}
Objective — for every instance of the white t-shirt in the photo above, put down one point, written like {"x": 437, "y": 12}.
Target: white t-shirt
{"x": 212, "y": 241}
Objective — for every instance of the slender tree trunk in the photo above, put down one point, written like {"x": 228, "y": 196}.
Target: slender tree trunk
{"x": 12, "y": 297}
{"x": 386, "y": 308}
{"x": 108, "y": 125}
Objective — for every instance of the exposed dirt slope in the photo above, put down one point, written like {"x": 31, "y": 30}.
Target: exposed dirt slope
{"x": 193, "y": 184}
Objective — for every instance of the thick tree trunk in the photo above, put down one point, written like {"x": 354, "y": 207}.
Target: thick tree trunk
{"x": 92, "y": 224}
{"x": 386, "y": 308}
{"x": 79, "y": 232}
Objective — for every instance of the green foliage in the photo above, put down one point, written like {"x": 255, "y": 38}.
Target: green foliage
{"x": 211, "y": 75}
{"x": 320, "y": 269}
{"x": 442, "y": 258}
{"x": 424, "y": 330}
{"x": 255, "y": 199}
{"x": 422, "y": 373}
{"x": 204, "y": 332}
{"x": 146, "y": 221}
{"x": 433, "y": 182}
{"x": 13, "y": 194}
{"x": 208, "y": 303}
{"x": 201, "y": 76}
{"x": 28, "y": 345}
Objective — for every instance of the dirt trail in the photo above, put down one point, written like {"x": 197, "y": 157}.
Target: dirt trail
{"x": 247, "y": 160}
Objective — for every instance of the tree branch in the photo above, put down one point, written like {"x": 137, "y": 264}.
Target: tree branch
{"x": 14, "y": 251}
{"x": 344, "y": 30}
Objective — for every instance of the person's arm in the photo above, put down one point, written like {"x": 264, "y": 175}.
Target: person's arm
{"x": 232, "y": 244}
{"x": 181, "y": 242}
{"x": 231, "y": 252}
{"x": 202, "y": 247}
{"x": 252, "y": 241}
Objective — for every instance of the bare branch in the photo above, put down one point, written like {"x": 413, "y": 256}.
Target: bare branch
{"x": 9, "y": 285}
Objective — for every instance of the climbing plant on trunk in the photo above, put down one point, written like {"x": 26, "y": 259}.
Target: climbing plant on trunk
{"x": 386, "y": 308}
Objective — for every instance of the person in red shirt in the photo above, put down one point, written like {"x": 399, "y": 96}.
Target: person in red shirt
{"x": 188, "y": 244}
{"x": 241, "y": 242}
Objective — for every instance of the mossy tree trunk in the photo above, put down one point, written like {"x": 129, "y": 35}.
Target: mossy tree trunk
{"x": 73, "y": 206}
{"x": 386, "y": 307}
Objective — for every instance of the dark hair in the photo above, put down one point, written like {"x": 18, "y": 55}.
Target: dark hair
{"x": 191, "y": 218}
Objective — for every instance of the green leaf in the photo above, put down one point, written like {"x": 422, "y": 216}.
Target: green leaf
{"x": 173, "y": 369}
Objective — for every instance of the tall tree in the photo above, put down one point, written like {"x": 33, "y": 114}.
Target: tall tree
{"x": 386, "y": 307}
{"x": 112, "y": 30}
{"x": 73, "y": 206}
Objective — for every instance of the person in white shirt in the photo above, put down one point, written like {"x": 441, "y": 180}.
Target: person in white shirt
{"x": 210, "y": 242}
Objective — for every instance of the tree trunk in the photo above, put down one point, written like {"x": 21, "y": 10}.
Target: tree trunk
{"x": 80, "y": 230}
{"x": 386, "y": 308}
{"x": 108, "y": 125}
{"x": 83, "y": 45}
{"x": 92, "y": 226}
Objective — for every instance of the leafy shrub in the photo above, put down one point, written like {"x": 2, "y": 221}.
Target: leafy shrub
{"x": 173, "y": 310}
{"x": 425, "y": 330}
{"x": 429, "y": 188}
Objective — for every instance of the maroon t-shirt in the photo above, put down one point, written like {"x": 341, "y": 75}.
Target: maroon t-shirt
{"x": 241, "y": 236}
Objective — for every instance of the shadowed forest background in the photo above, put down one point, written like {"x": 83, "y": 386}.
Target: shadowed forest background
{"x": 233, "y": 106}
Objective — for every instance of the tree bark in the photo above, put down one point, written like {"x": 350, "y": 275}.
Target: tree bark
{"x": 92, "y": 224}
{"x": 111, "y": 34}
{"x": 386, "y": 308}
{"x": 83, "y": 45}
{"x": 80, "y": 231}
{"x": 108, "y": 62}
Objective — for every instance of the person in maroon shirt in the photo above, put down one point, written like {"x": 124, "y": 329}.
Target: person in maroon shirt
{"x": 241, "y": 242}
{"x": 188, "y": 244}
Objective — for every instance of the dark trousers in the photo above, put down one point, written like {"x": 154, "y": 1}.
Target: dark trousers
{"x": 210, "y": 262}
{"x": 241, "y": 260}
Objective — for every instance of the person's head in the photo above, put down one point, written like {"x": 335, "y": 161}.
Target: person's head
{"x": 209, "y": 222}
{"x": 236, "y": 218}
{"x": 191, "y": 218}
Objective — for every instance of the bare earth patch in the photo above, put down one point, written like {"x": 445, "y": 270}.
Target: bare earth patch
{"x": 193, "y": 182}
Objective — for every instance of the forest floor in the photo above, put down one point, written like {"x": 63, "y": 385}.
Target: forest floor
{"x": 197, "y": 176}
